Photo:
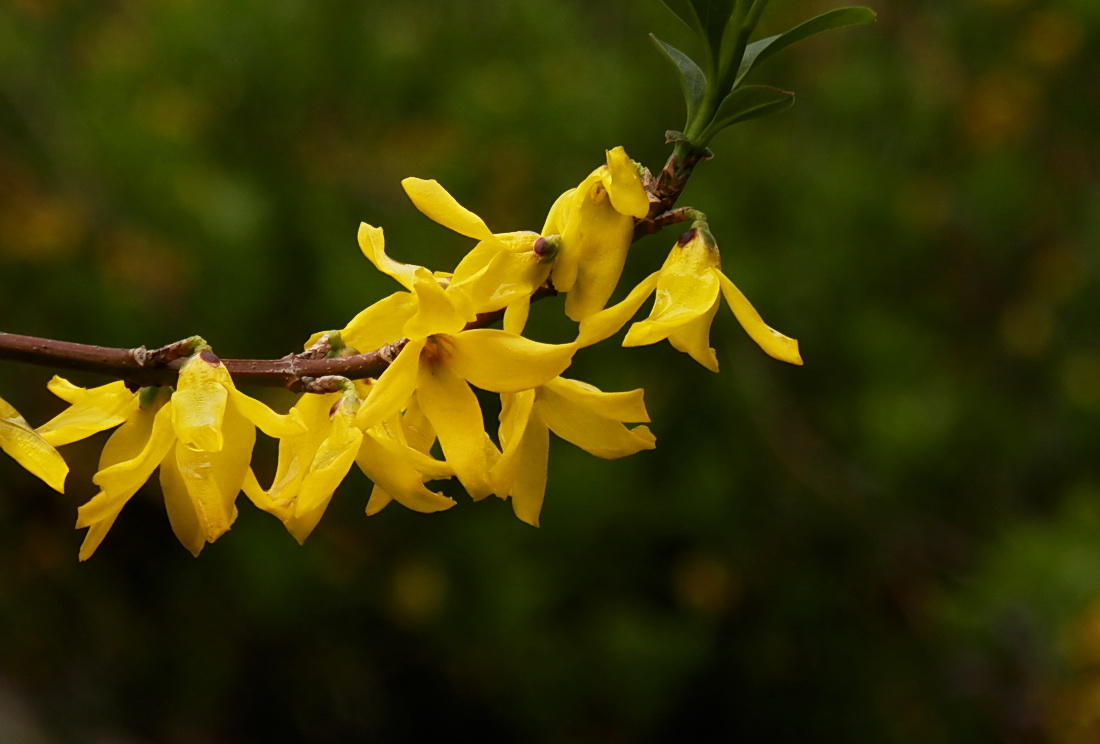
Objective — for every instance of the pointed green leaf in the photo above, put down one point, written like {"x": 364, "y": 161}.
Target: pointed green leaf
{"x": 692, "y": 80}
{"x": 714, "y": 16}
{"x": 760, "y": 50}
{"x": 685, "y": 11}
{"x": 748, "y": 102}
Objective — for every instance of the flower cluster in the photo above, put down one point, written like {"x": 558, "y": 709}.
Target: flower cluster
{"x": 420, "y": 420}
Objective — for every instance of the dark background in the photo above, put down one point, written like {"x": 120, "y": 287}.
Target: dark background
{"x": 898, "y": 542}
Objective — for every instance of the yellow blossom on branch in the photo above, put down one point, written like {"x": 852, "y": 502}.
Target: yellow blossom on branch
{"x": 28, "y": 448}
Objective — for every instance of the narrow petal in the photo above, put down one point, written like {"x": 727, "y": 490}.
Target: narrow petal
{"x": 91, "y": 411}
{"x": 373, "y": 244}
{"x": 213, "y": 479}
{"x": 394, "y": 478}
{"x": 686, "y": 290}
{"x": 607, "y": 322}
{"x": 30, "y": 450}
{"x": 381, "y": 323}
{"x": 503, "y": 362}
{"x": 774, "y": 343}
{"x": 438, "y": 205}
{"x": 559, "y": 214}
{"x": 585, "y": 428}
{"x": 515, "y": 412}
{"x": 182, "y": 515}
{"x": 624, "y": 185}
{"x": 275, "y": 425}
{"x": 198, "y": 405}
{"x": 330, "y": 465}
{"x": 599, "y": 237}
{"x": 693, "y": 338}
{"x": 94, "y": 536}
{"x": 296, "y": 453}
{"x": 128, "y": 475}
{"x": 393, "y": 389}
{"x": 626, "y": 406}
{"x": 454, "y": 411}
{"x": 528, "y": 489}
{"x": 515, "y": 315}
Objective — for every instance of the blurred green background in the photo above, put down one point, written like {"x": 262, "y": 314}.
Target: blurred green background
{"x": 898, "y": 542}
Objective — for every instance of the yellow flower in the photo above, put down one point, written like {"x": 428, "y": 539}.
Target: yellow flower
{"x": 578, "y": 413}
{"x": 201, "y": 438}
{"x": 30, "y": 449}
{"x": 596, "y": 224}
{"x": 313, "y": 463}
{"x": 440, "y": 370}
{"x": 687, "y": 298}
{"x": 502, "y": 268}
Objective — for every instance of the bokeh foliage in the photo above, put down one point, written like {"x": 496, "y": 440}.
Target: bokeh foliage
{"x": 898, "y": 542}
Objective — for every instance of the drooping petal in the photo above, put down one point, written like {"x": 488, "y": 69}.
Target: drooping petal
{"x": 693, "y": 338}
{"x": 607, "y": 322}
{"x": 416, "y": 428}
{"x": 774, "y": 343}
{"x": 198, "y": 405}
{"x": 90, "y": 411}
{"x": 128, "y": 475}
{"x": 296, "y": 453}
{"x": 515, "y": 412}
{"x": 182, "y": 515}
{"x": 453, "y": 409}
{"x": 687, "y": 288}
{"x": 438, "y": 205}
{"x": 331, "y": 464}
{"x": 381, "y": 323}
{"x": 581, "y": 424}
{"x": 393, "y": 389}
{"x": 30, "y": 450}
{"x": 503, "y": 362}
{"x": 126, "y": 443}
{"x": 213, "y": 479}
{"x": 626, "y": 406}
{"x": 624, "y": 185}
{"x": 598, "y": 236}
{"x": 515, "y": 315}
{"x": 528, "y": 487}
{"x": 373, "y": 244}
{"x": 396, "y": 479}
{"x": 562, "y": 220}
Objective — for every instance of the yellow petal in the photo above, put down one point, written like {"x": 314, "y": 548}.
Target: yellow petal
{"x": 296, "y": 453}
{"x": 418, "y": 431}
{"x": 181, "y": 509}
{"x": 395, "y": 478}
{"x": 774, "y": 343}
{"x": 510, "y": 276}
{"x": 559, "y": 214}
{"x": 438, "y": 311}
{"x": 597, "y": 238}
{"x": 515, "y": 412}
{"x": 127, "y": 476}
{"x": 528, "y": 488}
{"x": 373, "y": 244}
{"x": 393, "y": 389}
{"x": 91, "y": 411}
{"x": 582, "y": 425}
{"x": 438, "y": 205}
{"x": 687, "y": 289}
{"x": 693, "y": 338}
{"x": 453, "y": 409}
{"x": 198, "y": 405}
{"x": 213, "y": 479}
{"x": 330, "y": 465}
{"x": 628, "y": 195}
{"x": 503, "y": 362}
{"x": 275, "y": 425}
{"x": 30, "y": 450}
{"x": 607, "y": 322}
{"x": 626, "y": 406}
{"x": 515, "y": 315}
{"x": 381, "y": 323}
{"x": 94, "y": 536}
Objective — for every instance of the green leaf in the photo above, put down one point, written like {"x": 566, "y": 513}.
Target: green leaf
{"x": 713, "y": 17}
{"x": 758, "y": 51}
{"x": 693, "y": 82}
{"x": 748, "y": 102}
{"x": 685, "y": 11}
